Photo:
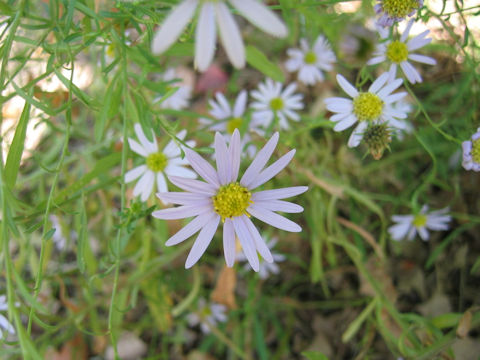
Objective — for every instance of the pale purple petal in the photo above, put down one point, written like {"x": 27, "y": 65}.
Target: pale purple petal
{"x": 279, "y": 205}
{"x": 229, "y": 242}
{"x": 222, "y": 159}
{"x": 182, "y": 212}
{"x": 240, "y": 104}
{"x": 183, "y": 198}
{"x": 272, "y": 170}
{"x": 205, "y": 37}
{"x": 191, "y": 228}
{"x": 273, "y": 219}
{"x": 346, "y": 86}
{"x": 202, "y": 167}
{"x": 260, "y": 160}
{"x": 230, "y": 36}
{"x": 260, "y": 244}
{"x": 135, "y": 173}
{"x": 202, "y": 242}
{"x": 235, "y": 154}
{"x": 136, "y": 147}
{"x": 192, "y": 185}
{"x": 281, "y": 193}
{"x": 248, "y": 244}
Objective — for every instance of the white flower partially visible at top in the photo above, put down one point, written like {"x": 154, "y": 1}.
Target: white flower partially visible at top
{"x": 211, "y": 14}
{"x": 178, "y": 100}
{"x": 157, "y": 163}
{"x": 311, "y": 62}
{"x": 266, "y": 268}
{"x": 398, "y": 52}
{"x": 223, "y": 197}
{"x": 396, "y": 10}
{"x": 408, "y": 225}
{"x": 374, "y": 106}
{"x": 230, "y": 119}
{"x": 207, "y": 315}
{"x": 471, "y": 152}
{"x": 272, "y": 100}
{"x": 401, "y": 127}
{"x": 4, "y": 323}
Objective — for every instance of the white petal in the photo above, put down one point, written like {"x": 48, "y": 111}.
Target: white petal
{"x": 357, "y": 134}
{"x": 202, "y": 167}
{"x": 173, "y": 26}
{"x": 144, "y": 186}
{"x": 229, "y": 242}
{"x": 247, "y": 242}
{"x": 191, "y": 228}
{"x": 422, "y": 59}
{"x": 183, "y": 198}
{"x": 202, "y": 242}
{"x": 281, "y": 193}
{"x": 261, "y": 16}
{"x": 279, "y": 205}
{"x": 5, "y": 324}
{"x": 410, "y": 72}
{"x": 234, "y": 151}
{"x": 173, "y": 170}
{"x": 272, "y": 170}
{"x": 150, "y": 146}
{"x": 260, "y": 244}
{"x": 230, "y": 36}
{"x": 240, "y": 104}
{"x": 191, "y": 185}
{"x": 389, "y": 88}
{"x": 346, "y": 86}
{"x": 205, "y": 37}
{"x": 182, "y": 212}
{"x": 135, "y": 173}
{"x": 161, "y": 183}
{"x": 345, "y": 123}
{"x": 399, "y": 231}
{"x": 260, "y": 160}
{"x": 136, "y": 147}
{"x": 378, "y": 83}
{"x": 273, "y": 219}
{"x": 222, "y": 159}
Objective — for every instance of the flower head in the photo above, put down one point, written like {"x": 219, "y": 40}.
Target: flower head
{"x": 471, "y": 152}
{"x": 180, "y": 98}
{"x": 4, "y": 323}
{"x": 398, "y": 52}
{"x": 266, "y": 268}
{"x": 211, "y": 14}
{"x": 273, "y": 101}
{"x": 157, "y": 163}
{"x": 408, "y": 225}
{"x": 223, "y": 198}
{"x": 311, "y": 62}
{"x": 365, "y": 108}
{"x": 207, "y": 315}
{"x": 396, "y": 10}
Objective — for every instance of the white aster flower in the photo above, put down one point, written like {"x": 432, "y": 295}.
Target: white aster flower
{"x": 395, "y": 10}
{"x": 398, "y": 52}
{"x": 401, "y": 126}
{"x": 273, "y": 102}
{"x": 230, "y": 119}
{"x": 4, "y": 323}
{"x": 365, "y": 108}
{"x": 223, "y": 197}
{"x": 471, "y": 152}
{"x": 207, "y": 315}
{"x": 211, "y": 14}
{"x": 311, "y": 62}
{"x": 178, "y": 100}
{"x": 408, "y": 225}
{"x": 157, "y": 163}
{"x": 266, "y": 268}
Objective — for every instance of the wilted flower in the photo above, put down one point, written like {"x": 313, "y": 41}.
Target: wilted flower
{"x": 471, "y": 152}
{"x": 396, "y": 10}
{"x": 180, "y": 98}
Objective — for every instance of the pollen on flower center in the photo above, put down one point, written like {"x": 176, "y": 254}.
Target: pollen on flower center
{"x": 157, "y": 161}
{"x": 233, "y": 123}
{"x": 476, "y": 151}
{"x": 397, "y": 52}
{"x": 367, "y": 106}
{"x": 310, "y": 58}
{"x": 419, "y": 220}
{"x": 277, "y": 104}
{"x": 399, "y": 8}
{"x": 231, "y": 200}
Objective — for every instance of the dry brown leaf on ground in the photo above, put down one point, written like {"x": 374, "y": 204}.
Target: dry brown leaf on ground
{"x": 224, "y": 292}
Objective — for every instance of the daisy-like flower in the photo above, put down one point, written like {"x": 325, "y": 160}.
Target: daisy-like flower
{"x": 266, "y": 268}
{"x": 396, "y": 10}
{"x": 230, "y": 119}
{"x": 398, "y": 52}
{"x": 157, "y": 163}
{"x": 311, "y": 62}
{"x": 207, "y": 315}
{"x": 178, "y": 100}
{"x": 273, "y": 101}
{"x": 401, "y": 126}
{"x": 365, "y": 108}
{"x": 211, "y": 14}
{"x": 471, "y": 152}
{"x": 4, "y": 323}
{"x": 408, "y": 225}
{"x": 223, "y": 197}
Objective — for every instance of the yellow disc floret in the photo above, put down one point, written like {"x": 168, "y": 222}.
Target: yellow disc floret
{"x": 157, "y": 161}
{"x": 476, "y": 151}
{"x": 310, "y": 58}
{"x": 233, "y": 123}
{"x": 419, "y": 220}
{"x": 232, "y": 200}
{"x": 399, "y": 8}
{"x": 367, "y": 107}
{"x": 277, "y": 104}
{"x": 397, "y": 52}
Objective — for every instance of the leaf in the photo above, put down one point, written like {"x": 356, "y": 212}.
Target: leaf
{"x": 82, "y": 236}
{"x": 314, "y": 355}
{"x": 259, "y": 61}
{"x": 105, "y": 113}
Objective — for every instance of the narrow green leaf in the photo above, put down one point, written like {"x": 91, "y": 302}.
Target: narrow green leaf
{"x": 25, "y": 293}
{"x": 314, "y": 355}
{"x": 259, "y": 61}
{"x": 105, "y": 112}
{"x": 82, "y": 236}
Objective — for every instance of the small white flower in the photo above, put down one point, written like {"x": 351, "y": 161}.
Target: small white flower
{"x": 374, "y": 106}
{"x": 396, "y": 10}
{"x": 58, "y": 239}
{"x": 398, "y": 52}
{"x": 211, "y": 14}
{"x": 408, "y": 225}
{"x": 311, "y": 62}
{"x": 230, "y": 119}
{"x": 471, "y": 152}
{"x": 223, "y": 197}
{"x": 207, "y": 315}
{"x": 273, "y": 102}
{"x": 4, "y": 323}
{"x": 157, "y": 163}
{"x": 266, "y": 268}
{"x": 178, "y": 100}
{"x": 401, "y": 127}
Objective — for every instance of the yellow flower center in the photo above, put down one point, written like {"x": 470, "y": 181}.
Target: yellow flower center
{"x": 367, "y": 106}
{"x": 310, "y": 58}
{"x": 419, "y": 220}
{"x": 276, "y": 104}
{"x": 157, "y": 161}
{"x": 233, "y": 123}
{"x": 397, "y": 52}
{"x": 476, "y": 151}
{"x": 232, "y": 200}
{"x": 110, "y": 50}
{"x": 399, "y": 8}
